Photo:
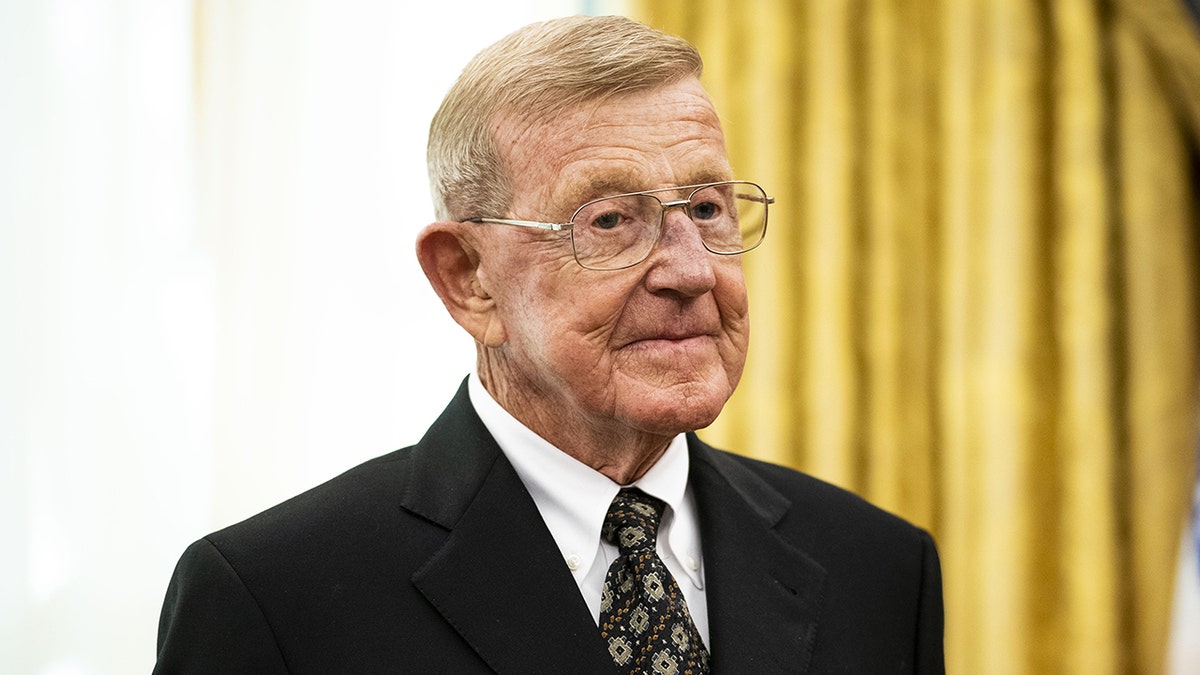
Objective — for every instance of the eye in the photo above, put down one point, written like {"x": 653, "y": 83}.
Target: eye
{"x": 607, "y": 221}
{"x": 706, "y": 210}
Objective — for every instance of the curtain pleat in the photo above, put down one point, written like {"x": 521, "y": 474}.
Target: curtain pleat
{"x": 1087, "y": 412}
{"x": 1157, "y": 273}
{"x": 976, "y": 305}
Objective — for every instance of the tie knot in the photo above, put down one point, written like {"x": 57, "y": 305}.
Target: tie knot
{"x": 632, "y": 521}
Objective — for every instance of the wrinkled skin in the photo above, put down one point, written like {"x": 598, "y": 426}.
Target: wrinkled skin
{"x": 608, "y": 366}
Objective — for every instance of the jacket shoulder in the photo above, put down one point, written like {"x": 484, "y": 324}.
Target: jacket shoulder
{"x": 816, "y": 498}
{"x": 832, "y": 524}
{"x": 882, "y": 582}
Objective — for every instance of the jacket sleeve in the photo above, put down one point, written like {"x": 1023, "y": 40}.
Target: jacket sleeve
{"x": 930, "y": 657}
{"x": 210, "y": 621}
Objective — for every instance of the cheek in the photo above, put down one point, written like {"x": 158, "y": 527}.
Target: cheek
{"x": 566, "y": 318}
{"x": 734, "y": 306}
{"x": 590, "y": 318}
{"x": 732, "y": 298}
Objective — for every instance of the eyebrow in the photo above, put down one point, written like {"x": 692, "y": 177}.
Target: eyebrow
{"x": 600, "y": 185}
{"x": 577, "y": 193}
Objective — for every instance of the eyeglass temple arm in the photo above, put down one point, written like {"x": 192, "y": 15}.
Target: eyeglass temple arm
{"x": 761, "y": 200}
{"x": 556, "y": 227}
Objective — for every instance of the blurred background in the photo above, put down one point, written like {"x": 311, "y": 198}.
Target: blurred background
{"x": 977, "y": 305}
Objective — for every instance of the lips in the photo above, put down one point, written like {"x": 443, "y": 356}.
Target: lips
{"x": 675, "y": 336}
{"x": 677, "y": 325}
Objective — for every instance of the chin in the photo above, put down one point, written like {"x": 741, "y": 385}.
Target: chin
{"x": 672, "y": 411}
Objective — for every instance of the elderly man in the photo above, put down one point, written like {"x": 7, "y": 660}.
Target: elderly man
{"x": 560, "y": 516}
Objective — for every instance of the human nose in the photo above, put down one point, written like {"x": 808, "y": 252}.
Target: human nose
{"x": 680, "y": 263}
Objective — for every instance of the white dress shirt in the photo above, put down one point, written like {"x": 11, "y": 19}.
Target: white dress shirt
{"x": 573, "y": 499}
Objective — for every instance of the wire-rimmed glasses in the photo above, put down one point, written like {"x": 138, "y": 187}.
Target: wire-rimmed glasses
{"x": 620, "y": 231}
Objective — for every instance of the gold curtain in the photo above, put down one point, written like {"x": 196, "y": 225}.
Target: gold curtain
{"x": 977, "y": 304}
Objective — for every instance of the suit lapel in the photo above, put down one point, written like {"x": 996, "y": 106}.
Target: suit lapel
{"x": 763, "y": 594}
{"x": 499, "y": 578}
{"x": 500, "y": 581}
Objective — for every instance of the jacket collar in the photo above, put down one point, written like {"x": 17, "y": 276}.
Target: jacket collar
{"x": 500, "y": 580}
{"x": 764, "y": 594}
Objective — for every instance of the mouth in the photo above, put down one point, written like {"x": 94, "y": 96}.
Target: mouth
{"x": 670, "y": 331}
{"x": 671, "y": 341}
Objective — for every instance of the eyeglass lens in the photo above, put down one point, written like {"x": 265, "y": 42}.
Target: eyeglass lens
{"x": 617, "y": 232}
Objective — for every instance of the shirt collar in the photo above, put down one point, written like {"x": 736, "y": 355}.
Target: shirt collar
{"x": 573, "y": 498}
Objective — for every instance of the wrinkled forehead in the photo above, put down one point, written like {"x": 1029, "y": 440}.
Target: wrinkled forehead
{"x": 645, "y": 140}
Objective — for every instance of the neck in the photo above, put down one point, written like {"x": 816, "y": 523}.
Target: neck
{"x": 621, "y": 453}
{"x": 626, "y": 466}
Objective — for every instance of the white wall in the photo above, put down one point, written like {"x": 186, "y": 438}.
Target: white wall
{"x": 208, "y": 295}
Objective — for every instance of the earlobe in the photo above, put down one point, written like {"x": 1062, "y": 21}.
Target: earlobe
{"x": 451, "y": 263}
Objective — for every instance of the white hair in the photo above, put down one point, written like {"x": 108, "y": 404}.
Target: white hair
{"x": 537, "y": 72}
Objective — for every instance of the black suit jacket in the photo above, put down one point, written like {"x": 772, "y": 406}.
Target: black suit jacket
{"x": 434, "y": 559}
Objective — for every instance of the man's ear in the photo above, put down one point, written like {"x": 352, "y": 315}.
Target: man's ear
{"x": 451, "y": 263}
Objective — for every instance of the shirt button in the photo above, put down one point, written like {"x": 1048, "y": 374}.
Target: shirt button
{"x": 692, "y": 563}
{"x": 573, "y": 562}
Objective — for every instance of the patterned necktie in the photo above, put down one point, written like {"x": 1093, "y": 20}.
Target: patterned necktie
{"x": 643, "y": 616}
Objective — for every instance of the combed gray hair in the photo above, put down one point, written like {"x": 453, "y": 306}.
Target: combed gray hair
{"x": 538, "y": 71}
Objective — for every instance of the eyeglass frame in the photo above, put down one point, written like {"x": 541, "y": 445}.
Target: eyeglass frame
{"x": 685, "y": 204}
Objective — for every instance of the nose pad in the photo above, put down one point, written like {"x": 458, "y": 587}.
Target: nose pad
{"x": 681, "y": 225}
{"x": 680, "y": 263}
{"x": 683, "y": 206}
